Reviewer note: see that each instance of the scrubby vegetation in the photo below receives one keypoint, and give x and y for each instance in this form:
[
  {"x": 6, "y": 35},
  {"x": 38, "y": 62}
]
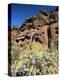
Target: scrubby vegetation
[{"x": 33, "y": 59}]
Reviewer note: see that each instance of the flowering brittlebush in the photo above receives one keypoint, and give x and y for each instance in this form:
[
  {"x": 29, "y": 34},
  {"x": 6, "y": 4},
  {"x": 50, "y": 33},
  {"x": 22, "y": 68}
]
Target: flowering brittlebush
[{"x": 33, "y": 59}]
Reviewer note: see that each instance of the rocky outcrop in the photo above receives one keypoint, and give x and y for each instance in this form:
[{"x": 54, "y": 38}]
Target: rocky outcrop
[
  {"x": 38, "y": 34},
  {"x": 42, "y": 28}
]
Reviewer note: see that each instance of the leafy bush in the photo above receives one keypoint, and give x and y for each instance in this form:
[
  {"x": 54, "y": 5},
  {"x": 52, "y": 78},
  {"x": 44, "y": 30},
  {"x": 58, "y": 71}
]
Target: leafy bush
[{"x": 33, "y": 59}]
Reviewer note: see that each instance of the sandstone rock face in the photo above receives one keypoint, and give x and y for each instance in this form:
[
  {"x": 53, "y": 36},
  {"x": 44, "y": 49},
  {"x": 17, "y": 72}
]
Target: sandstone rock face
[
  {"x": 42, "y": 28},
  {"x": 37, "y": 34},
  {"x": 54, "y": 33}
]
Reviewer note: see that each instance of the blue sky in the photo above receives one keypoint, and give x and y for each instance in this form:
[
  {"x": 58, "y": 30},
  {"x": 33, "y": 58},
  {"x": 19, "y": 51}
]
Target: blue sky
[{"x": 19, "y": 12}]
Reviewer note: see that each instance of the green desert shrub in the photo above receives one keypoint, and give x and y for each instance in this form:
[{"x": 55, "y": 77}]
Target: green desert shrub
[{"x": 34, "y": 59}]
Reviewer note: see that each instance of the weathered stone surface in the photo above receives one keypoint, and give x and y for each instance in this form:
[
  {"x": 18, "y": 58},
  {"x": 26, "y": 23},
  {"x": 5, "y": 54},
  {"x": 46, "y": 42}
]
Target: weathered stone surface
[
  {"x": 54, "y": 33},
  {"x": 42, "y": 28},
  {"x": 53, "y": 16},
  {"x": 38, "y": 34}
]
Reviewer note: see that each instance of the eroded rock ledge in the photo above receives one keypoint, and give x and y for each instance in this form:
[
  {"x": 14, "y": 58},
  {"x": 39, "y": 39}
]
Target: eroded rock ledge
[{"x": 42, "y": 28}]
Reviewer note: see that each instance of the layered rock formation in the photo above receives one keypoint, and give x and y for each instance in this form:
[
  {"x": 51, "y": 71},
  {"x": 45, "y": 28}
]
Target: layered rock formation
[{"x": 42, "y": 28}]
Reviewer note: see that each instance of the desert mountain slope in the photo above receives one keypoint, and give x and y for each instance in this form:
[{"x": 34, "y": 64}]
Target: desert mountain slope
[{"x": 42, "y": 28}]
